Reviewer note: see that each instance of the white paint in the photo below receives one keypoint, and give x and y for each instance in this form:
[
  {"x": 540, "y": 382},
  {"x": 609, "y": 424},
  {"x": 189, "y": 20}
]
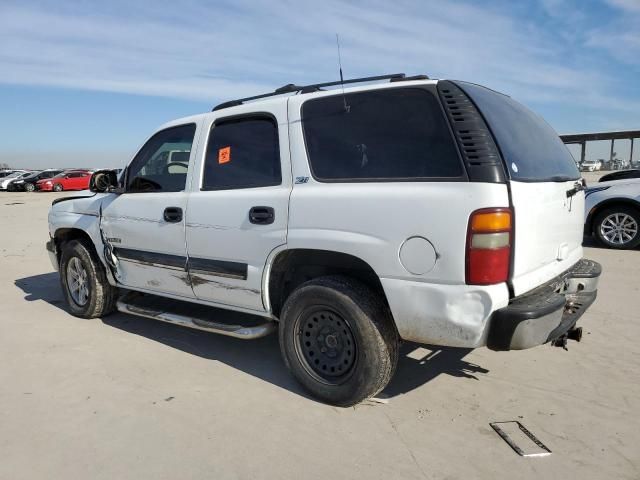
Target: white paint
[
  {"x": 545, "y": 220},
  {"x": 396, "y": 228},
  {"x": 417, "y": 255}
]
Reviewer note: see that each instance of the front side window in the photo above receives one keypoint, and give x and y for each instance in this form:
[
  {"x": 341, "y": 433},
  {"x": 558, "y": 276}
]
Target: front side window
[
  {"x": 242, "y": 153},
  {"x": 162, "y": 163},
  {"x": 391, "y": 134}
]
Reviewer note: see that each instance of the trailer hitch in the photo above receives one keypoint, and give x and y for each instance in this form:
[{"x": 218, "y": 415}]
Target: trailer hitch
[{"x": 573, "y": 334}]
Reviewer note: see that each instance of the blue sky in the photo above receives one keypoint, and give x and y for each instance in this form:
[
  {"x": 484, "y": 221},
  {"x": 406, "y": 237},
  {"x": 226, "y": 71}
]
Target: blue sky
[{"x": 84, "y": 82}]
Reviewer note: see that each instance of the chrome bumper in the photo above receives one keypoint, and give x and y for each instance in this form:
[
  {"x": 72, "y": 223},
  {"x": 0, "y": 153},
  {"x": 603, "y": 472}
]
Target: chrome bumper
[{"x": 547, "y": 312}]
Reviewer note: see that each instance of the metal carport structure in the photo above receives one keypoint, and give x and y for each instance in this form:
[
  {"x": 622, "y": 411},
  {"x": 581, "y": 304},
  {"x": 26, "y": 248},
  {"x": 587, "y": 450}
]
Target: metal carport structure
[{"x": 582, "y": 138}]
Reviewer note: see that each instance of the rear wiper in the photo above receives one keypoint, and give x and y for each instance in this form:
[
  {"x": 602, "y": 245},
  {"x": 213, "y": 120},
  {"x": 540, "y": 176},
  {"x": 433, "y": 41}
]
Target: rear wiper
[
  {"x": 561, "y": 178},
  {"x": 577, "y": 187}
]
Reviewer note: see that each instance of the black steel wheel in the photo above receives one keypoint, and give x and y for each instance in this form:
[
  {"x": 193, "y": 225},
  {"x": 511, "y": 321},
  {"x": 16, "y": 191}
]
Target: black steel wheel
[
  {"x": 325, "y": 345},
  {"x": 338, "y": 339}
]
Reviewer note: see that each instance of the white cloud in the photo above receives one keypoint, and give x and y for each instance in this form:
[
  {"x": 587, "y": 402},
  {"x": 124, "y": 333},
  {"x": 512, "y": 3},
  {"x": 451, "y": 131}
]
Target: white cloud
[
  {"x": 621, "y": 37},
  {"x": 216, "y": 52},
  {"x": 628, "y": 5}
]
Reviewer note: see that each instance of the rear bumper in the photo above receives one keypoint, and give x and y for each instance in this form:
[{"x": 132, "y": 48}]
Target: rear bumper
[{"x": 547, "y": 312}]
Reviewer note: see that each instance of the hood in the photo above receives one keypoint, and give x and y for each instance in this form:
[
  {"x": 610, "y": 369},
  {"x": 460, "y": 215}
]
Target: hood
[
  {"x": 80, "y": 204},
  {"x": 613, "y": 183}
]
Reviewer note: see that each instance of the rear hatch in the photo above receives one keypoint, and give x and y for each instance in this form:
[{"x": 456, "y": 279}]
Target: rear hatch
[{"x": 545, "y": 185}]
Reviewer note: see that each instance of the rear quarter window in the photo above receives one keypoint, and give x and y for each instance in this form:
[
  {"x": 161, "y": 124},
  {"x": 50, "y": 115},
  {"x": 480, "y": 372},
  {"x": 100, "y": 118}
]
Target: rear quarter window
[
  {"x": 532, "y": 150},
  {"x": 391, "y": 134}
]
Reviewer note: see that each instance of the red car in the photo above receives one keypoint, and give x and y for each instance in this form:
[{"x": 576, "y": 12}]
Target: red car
[{"x": 69, "y": 180}]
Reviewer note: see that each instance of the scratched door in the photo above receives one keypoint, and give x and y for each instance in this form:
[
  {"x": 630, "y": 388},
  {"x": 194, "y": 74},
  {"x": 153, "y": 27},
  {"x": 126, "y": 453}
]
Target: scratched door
[{"x": 238, "y": 209}]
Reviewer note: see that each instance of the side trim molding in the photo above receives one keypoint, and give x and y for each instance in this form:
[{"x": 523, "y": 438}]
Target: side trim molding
[
  {"x": 218, "y": 268},
  {"x": 151, "y": 258}
]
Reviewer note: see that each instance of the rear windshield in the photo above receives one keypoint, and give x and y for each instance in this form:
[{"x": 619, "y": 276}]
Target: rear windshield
[
  {"x": 391, "y": 134},
  {"x": 531, "y": 149}
]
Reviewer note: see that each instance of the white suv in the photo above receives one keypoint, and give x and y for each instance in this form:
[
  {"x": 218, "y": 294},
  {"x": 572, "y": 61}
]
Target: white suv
[{"x": 436, "y": 212}]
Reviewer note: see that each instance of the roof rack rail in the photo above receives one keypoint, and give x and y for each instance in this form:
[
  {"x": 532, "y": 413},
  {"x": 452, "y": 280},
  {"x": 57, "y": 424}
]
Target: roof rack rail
[{"x": 292, "y": 88}]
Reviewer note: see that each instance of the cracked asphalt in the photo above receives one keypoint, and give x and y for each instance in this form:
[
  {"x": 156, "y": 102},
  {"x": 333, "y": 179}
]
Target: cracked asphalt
[{"x": 127, "y": 397}]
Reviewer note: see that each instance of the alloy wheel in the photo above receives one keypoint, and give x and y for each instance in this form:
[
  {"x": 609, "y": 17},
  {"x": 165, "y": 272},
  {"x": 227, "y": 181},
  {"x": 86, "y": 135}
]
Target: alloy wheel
[
  {"x": 619, "y": 228},
  {"x": 78, "y": 281}
]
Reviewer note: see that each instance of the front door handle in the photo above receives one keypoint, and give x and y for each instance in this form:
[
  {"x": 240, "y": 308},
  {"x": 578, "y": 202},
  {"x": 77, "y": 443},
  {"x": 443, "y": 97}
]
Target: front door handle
[
  {"x": 173, "y": 214},
  {"x": 262, "y": 215}
]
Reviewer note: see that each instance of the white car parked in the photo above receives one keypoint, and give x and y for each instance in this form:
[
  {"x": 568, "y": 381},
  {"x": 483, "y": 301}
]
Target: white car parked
[
  {"x": 436, "y": 212},
  {"x": 17, "y": 175},
  {"x": 612, "y": 213},
  {"x": 591, "y": 165}
]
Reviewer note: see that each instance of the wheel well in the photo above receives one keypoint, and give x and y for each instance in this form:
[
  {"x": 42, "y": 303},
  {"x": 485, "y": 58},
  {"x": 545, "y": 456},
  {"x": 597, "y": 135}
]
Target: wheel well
[
  {"x": 291, "y": 268},
  {"x": 64, "y": 235},
  {"x": 593, "y": 213}
]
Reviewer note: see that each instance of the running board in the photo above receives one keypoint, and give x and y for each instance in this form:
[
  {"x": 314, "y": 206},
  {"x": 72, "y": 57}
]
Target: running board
[{"x": 166, "y": 310}]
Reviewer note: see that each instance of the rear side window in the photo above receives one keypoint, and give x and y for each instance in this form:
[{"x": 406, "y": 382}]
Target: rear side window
[
  {"x": 242, "y": 153},
  {"x": 392, "y": 134},
  {"x": 532, "y": 150}
]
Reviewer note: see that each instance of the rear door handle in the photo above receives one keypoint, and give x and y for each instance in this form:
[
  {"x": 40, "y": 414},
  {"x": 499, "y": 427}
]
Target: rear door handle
[
  {"x": 173, "y": 214},
  {"x": 262, "y": 215}
]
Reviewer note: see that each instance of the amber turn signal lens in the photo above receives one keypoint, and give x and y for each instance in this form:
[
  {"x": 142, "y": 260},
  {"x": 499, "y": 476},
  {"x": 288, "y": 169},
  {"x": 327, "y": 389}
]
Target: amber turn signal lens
[{"x": 491, "y": 222}]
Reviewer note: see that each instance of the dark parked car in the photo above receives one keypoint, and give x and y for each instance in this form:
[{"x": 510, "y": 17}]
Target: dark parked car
[
  {"x": 28, "y": 184},
  {"x": 621, "y": 175}
]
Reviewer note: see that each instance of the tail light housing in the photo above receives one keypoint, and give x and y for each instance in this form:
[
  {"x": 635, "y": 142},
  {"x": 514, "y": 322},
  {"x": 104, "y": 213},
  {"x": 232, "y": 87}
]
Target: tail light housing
[{"x": 489, "y": 242}]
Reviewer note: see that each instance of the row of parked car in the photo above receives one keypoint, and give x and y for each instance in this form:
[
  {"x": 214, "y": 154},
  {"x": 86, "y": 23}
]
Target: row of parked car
[{"x": 52, "y": 179}]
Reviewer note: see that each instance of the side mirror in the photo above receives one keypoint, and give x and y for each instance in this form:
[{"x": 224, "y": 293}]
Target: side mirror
[{"x": 104, "y": 181}]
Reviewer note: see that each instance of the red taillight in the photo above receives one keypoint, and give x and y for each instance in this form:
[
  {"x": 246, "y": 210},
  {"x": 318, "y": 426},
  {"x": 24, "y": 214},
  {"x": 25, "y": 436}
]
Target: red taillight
[{"x": 489, "y": 246}]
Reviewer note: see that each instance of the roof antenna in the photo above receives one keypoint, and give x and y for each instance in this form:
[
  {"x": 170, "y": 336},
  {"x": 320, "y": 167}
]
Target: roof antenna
[{"x": 347, "y": 108}]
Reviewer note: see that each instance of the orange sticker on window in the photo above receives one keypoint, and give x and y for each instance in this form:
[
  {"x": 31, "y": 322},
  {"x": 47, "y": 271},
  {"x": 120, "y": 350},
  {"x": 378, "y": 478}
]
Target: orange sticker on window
[{"x": 224, "y": 155}]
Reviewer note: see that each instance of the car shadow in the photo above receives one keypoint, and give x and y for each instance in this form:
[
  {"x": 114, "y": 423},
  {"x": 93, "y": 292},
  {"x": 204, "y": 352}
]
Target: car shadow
[
  {"x": 591, "y": 242},
  {"x": 419, "y": 364},
  {"x": 45, "y": 286},
  {"x": 416, "y": 367}
]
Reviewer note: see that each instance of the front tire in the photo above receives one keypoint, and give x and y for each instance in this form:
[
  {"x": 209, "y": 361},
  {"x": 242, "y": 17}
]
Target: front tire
[
  {"x": 618, "y": 227},
  {"x": 57, "y": 187},
  {"x": 84, "y": 281},
  {"x": 338, "y": 340}
]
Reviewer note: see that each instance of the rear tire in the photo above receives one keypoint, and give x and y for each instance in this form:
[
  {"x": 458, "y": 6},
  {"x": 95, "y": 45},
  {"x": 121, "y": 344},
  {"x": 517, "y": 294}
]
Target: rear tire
[
  {"x": 618, "y": 227},
  {"x": 84, "y": 281},
  {"x": 338, "y": 340},
  {"x": 57, "y": 187},
  {"x": 29, "y": 187}
]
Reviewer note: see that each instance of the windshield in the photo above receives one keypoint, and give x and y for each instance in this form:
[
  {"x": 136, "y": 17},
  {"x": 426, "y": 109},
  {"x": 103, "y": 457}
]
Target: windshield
[
  {"x": 31, "y": 176},
  {"x": 532, "y": 150}
]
